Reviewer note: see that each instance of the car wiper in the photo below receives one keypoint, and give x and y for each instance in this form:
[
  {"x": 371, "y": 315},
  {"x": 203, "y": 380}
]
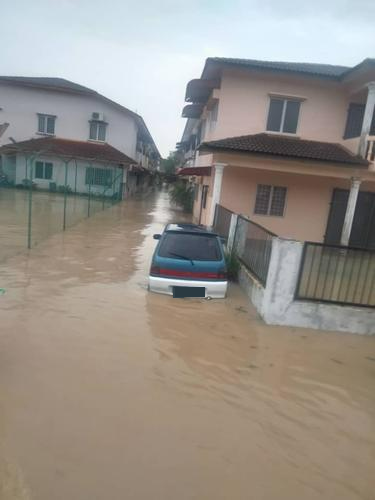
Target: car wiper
[{"x": 182, "y": 257}]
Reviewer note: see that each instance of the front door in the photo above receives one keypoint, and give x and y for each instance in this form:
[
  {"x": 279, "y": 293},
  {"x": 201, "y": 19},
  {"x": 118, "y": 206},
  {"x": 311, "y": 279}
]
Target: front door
[{"x": 363, "y": 229}]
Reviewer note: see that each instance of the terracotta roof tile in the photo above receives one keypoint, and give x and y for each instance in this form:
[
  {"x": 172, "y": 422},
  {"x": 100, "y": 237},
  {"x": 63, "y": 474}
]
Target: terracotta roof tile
[
  {"x": 291, "y": 147},
  {"x": 70, "y": 149},
  {"x": 326, "y": 70}
]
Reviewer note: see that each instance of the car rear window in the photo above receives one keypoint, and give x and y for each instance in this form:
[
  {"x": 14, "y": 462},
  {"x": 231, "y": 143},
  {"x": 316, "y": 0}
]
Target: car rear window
[{"x": 190, "y": 246}]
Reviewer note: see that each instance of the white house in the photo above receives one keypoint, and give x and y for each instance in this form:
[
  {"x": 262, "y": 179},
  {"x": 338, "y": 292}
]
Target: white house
[{"x": 35, "y": 109}]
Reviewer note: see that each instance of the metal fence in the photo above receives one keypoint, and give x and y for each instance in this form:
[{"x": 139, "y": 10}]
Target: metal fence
[
  {"x": 337, "y": 274},
  {"x": 34, "y": 206},
  {"x": 253, "y": 246},
  {"x": 222, "y": 221}
]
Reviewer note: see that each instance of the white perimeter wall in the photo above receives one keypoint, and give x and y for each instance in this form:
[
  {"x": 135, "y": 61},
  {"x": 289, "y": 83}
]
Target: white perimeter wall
[{"x": 276, "y": 303}]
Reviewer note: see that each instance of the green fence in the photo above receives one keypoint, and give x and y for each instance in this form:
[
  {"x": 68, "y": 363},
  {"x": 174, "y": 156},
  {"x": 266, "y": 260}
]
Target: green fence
[{"x": 37, "y": 201}]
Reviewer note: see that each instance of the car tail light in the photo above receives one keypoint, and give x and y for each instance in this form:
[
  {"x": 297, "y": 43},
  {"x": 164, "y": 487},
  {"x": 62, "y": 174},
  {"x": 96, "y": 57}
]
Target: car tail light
[
  {"x": 222, "y": 274},
  {"x": 177, "y": 273},
  {"x": 155, "y": 270}
]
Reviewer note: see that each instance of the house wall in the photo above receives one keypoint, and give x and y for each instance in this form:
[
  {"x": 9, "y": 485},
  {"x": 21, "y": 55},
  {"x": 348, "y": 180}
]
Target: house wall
[
  {"x": 77, "y": 183},
  {"x": 307, "y": 203},
  {"x": 244, "y": 102},
  {"x": 20, "y": 105},
  {"x": 208, "y": 181}
]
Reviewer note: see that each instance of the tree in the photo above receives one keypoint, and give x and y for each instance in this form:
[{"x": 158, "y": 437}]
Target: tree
[{"x": 169, "y": 165}]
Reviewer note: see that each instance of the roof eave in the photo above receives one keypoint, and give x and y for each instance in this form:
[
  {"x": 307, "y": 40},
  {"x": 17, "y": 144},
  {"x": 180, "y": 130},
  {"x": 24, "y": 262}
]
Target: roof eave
[{"x": 204, "y": 147}]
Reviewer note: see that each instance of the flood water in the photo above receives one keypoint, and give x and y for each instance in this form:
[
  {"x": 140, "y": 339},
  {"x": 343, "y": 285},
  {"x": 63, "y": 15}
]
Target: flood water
[{"x": 110, "y": 392}]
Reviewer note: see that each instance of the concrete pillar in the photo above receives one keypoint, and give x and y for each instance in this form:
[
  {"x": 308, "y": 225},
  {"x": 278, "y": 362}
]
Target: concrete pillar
[
  {"x": 350, "y": 210},
  {"x": 367, "y": 119},
  {"x": 216, "y": 190},
  {"x": 232, "y": 231}
]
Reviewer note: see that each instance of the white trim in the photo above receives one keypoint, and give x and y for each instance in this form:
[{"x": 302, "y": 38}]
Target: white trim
[{"x": 287, "y": 96}]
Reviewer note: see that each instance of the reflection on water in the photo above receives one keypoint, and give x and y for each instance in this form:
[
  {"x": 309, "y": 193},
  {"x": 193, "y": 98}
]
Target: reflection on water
[{"x": 107, "y": 391}]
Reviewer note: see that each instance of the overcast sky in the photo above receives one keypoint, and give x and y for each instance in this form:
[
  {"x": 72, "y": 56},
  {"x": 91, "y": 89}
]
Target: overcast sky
[{"x": 142, "y": 53}]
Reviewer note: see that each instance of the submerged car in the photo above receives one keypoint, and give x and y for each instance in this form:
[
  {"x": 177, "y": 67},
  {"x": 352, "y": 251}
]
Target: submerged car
[{"x": 188, "y": 261}]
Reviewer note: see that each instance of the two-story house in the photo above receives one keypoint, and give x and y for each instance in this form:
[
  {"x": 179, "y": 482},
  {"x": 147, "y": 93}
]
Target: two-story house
[
  {"x": 289, "y": 145},
  {"x": 52, "y": 121}
]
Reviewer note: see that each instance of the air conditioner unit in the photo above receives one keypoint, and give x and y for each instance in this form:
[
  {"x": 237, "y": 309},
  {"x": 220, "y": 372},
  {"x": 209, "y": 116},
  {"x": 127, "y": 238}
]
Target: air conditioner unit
[{"x": 98, "y": 116}]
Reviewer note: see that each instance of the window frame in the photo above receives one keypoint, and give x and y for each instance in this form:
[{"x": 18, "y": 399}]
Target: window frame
[
  {"x": 285, "y": 99},
  {"x": 98, "y": 123},
  {"x": 46, "y": 117},
  {"x": 95, "y": 175},
  {"x": 44, "y": 165},
  {"x": 270, "y": 200}
]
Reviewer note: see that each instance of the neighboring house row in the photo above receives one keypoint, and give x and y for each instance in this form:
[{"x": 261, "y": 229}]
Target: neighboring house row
[
  {"x": 51, "y": 121},
  {"x": 289, "y": 145}
]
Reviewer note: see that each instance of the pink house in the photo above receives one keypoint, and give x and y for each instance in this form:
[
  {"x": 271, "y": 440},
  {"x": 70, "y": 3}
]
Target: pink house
[{"x": 289, "y": 145}]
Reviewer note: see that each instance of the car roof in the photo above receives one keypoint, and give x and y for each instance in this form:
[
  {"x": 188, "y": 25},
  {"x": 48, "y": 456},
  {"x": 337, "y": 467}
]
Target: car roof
[{"x": 188, "y": 228}]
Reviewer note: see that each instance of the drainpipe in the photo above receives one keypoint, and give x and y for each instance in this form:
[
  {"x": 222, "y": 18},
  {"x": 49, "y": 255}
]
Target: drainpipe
[
  {"x": 216, "y": 191},
  {"x": 350, "y": 211},
  {"x": 367, "y": 119}
]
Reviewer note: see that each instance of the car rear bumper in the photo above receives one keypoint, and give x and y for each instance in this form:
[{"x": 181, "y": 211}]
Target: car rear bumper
[{"x": 214, "y": 289}]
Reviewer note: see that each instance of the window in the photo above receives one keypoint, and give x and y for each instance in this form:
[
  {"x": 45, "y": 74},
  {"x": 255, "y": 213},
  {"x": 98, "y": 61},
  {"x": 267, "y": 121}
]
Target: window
[
  {"x": 98, "y": 176},
  {"x": 46, "y": 124},
  {"x": 43, "y": 170},
  {"x": 283, "y": 115},
  {"x": 97, "y": 130},
  {"x": 213, "y": 116},
  {"x": 270, "y": 200},
  {"x": 189, "y": 246},
  {"x": 354, "y": 121}
]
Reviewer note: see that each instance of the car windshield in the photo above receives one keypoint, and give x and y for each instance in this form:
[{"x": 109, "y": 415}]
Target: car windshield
[{"x": 190, "y": 246}]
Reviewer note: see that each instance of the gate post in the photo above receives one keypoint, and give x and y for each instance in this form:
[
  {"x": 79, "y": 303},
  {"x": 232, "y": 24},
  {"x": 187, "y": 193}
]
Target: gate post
[{"x": 232, "y": 232}]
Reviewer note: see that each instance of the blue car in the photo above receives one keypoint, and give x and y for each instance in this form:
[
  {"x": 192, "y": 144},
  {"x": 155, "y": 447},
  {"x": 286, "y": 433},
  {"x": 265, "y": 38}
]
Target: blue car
[{"x": 188, "y": 261}]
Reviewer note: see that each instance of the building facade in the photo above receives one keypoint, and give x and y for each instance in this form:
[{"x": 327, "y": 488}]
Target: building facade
[
  {"x": 52, "y": 108},
  {"x": 289, "y": 145}
]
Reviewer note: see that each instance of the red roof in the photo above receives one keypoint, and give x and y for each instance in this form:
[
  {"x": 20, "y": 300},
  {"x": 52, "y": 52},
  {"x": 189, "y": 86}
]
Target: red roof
[
  {"x": 199, "y": 171},
  {"x": 67, "y": 148},
  {"x": 292, "y": 147}
]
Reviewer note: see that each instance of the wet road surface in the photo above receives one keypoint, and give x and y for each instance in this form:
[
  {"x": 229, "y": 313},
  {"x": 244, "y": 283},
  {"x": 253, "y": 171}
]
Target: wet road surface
[{"x": 109, "y": 392}]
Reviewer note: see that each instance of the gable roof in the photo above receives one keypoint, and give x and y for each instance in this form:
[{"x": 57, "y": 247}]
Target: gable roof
[
  {"x": 289, "y": 147},
  {"x": 63, "y": 85},
  {"x": 69, "y": 149},
  {"x": 330, "y": 71},
  {"x": 47, "y": 83},
  {"x": 327, "y": 70}
]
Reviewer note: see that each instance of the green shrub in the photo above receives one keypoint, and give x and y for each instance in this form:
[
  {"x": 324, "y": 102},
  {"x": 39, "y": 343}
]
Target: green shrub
[
  {"x": 64, "y": 189},
  {"x": 233, "y": 266},
  {"x": 182, "y": 194}
]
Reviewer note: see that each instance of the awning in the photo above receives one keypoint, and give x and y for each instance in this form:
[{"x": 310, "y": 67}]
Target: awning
[
  {"x": 199, "y": 90},
  {"x": 198, "y": 171},
  {"x": 192, "y": 111}
]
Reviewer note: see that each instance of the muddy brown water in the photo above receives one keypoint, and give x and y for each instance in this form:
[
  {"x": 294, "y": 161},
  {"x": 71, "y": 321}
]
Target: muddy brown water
[{"x": 110, "y": 392}]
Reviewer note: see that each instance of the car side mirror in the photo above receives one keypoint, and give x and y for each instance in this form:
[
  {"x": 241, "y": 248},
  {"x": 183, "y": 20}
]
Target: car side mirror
[{"x": 157, "y": 236}]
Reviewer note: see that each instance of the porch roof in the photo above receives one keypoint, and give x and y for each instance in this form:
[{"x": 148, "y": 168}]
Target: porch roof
[
  {"x": 198, "y": 171},
  {"x": 67, "y": 148},
  {"x": 290, "y": 147}
]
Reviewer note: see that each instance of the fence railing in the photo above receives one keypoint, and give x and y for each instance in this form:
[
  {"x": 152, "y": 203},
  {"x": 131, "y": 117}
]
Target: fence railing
[
  {"x": 336, "y": 274},
  {"x": 253, "y": 246},
  {"x": 36, "y": 202},
  {"x": 222, "y": 221}
]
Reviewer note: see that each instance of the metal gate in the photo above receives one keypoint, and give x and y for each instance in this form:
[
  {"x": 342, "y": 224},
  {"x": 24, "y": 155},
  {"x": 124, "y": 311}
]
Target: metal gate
[{"x": 363, "y": 230}]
